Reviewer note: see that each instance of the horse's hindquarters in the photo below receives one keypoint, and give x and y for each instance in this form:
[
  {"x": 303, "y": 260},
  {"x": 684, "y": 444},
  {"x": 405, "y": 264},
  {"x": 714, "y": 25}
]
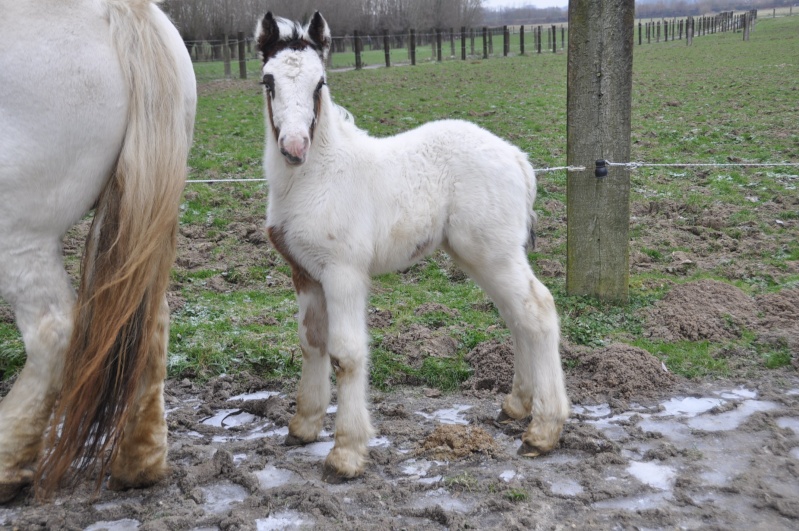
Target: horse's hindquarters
[{"x": 63, "y": 106}]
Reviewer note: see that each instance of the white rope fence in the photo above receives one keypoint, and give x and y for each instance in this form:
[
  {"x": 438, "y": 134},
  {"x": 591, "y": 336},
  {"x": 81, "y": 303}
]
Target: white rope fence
[{"x": 628, "y": 165}]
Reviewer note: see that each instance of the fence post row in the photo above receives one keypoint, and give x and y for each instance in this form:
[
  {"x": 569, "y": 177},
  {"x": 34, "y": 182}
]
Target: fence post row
[{"x": 727, "y": 21}]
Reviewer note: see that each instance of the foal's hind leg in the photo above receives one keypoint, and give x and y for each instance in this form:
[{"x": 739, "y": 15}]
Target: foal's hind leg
[
  {"x": 529, "y": 311},
  {"x": 37, "y": 287},
  {"x": 141, "y": 456},
  {"x": 313, "y": 395}
]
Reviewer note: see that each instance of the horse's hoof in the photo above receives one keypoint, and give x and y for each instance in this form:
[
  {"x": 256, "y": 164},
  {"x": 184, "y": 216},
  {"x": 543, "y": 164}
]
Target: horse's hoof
[
  {"x": 291, "y": 440},
  {"x": 528, "y": 450},
  {"x": 9, "y": 491},
  {"x": 504, "y": 418},
  {"x": 331, "y": 476}
]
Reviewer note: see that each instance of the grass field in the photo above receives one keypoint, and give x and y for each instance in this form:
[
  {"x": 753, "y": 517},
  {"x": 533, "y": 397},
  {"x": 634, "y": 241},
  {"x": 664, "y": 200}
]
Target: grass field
[{"x": 720, "y": 100}]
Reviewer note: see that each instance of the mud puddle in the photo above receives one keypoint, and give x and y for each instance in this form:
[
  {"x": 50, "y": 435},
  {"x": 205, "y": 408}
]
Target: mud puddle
[{"x": 724, "y": 456}]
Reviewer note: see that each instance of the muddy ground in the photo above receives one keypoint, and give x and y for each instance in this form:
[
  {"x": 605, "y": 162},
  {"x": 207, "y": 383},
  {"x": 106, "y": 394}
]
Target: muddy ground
[{"x": 644, "y": 449}]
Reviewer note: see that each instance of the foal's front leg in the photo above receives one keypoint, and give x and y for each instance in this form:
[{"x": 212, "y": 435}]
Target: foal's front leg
[
  {"x": 313, "y": 395},
  {"x": 346, "y": 291}
]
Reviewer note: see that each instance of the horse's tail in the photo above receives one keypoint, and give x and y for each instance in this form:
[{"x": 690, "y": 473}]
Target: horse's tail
[{"x": 128, "y": 255}]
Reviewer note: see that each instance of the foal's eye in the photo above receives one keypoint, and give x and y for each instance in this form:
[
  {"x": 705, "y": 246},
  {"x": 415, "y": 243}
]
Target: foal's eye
[{"x": 269, "y": 83}]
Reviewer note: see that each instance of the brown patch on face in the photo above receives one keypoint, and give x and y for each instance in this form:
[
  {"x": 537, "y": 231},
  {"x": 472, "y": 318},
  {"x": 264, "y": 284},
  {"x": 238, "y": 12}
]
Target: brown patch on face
[
  {"x": 275, "y": 130},
  {"x": 301, "y": 278}
]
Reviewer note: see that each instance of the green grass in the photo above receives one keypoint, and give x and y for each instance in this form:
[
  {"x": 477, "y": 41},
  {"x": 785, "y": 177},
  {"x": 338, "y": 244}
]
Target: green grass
[{"x": 719, "y": 100}]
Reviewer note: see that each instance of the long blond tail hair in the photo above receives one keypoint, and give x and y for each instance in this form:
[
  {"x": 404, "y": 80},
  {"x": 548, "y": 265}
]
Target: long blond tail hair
[{"x": 128, "y": 256}]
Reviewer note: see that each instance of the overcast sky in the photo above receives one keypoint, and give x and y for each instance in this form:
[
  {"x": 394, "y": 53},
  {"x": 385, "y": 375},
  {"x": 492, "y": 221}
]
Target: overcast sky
[{"x": 492, "y": 4}]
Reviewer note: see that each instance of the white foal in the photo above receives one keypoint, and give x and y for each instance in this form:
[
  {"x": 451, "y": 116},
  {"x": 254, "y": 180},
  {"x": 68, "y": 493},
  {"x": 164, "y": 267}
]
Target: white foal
[
  {"x": 102, "y": 118},
  {"x": 344, "y": 206}
]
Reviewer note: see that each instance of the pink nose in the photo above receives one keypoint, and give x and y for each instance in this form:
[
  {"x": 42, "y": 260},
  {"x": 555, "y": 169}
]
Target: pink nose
[{"x": 294, "y": 148}]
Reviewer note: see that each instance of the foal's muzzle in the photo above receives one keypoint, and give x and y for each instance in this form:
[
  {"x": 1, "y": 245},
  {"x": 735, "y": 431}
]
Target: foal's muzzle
[{"x": 294, "y": 148}]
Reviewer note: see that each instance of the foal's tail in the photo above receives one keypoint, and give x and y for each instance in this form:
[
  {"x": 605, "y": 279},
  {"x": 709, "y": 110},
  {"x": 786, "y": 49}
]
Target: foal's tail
[{"x": 128, "y": 254}]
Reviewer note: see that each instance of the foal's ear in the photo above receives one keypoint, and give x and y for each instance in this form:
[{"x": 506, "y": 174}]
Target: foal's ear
[
  {"x": 319, "y": 32},
  {"x": 267, "y": 34}
]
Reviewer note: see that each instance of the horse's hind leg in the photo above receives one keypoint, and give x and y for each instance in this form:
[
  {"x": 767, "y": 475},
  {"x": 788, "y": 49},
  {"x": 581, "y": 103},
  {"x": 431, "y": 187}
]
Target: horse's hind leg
[
  {"x": 141, "y": 456},
  {"x": 529, "y": 311},
  {"x": 313, "y": 395},
  {"x": 34, "y": 282}
]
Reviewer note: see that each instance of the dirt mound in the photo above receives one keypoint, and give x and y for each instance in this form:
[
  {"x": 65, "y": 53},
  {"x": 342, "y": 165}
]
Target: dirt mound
[
  {"x": 705, "y": 309},
  {"x": 616, "y": 372},
  {"x": 779, "y": 324},
  {"x": 419, "y": 342},
  {"x": 454, "y": 441},
  {"x": 492, "y": 363}
]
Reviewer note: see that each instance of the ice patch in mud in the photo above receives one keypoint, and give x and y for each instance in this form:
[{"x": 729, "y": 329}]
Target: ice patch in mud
[
  {"x": 657, "y": 476},
  {"x": 228, "y": 418},
  {"x": 738, "y": 393},
  {"x": 7, "y": 516},
  {"x": 126, "y": 524},
  {"x": 317, "y": 449},
  {"x": 637, "y": 503},
  {"x": 792, "y": 423},
  {"x": 566, "y": 487},
  {"x": 731, "y": 419},
  {"x": 689, "y": 407},
  {"x": 441, "y": 498},
  {"x": 259, "y": 395},
  {"x": 272, "y": 477},
  {"x": 448, "y": 416},
  {"x": 379, "y": 442},
  {"x": 507, "y": 475},
  {"x": 412, "y": 467},
  {"x": 284, "y": 520},
  {"x": 222, "y": 497},
  {"x": 601, "y": 410}
]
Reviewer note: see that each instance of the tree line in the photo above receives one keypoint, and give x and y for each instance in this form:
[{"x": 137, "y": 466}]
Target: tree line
[{"x": 212, "y": 19}]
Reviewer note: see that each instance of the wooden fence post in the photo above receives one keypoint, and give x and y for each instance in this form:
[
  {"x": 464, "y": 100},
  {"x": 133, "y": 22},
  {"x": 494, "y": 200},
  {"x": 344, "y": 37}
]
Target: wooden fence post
[
  {"x": 745, "y": 21},
  {"x": 242, "y": 58},
  {"x": 539, "y": 39},
  {"x": 412, "y": 45},
  {"x": 452, "y": 42},
  {"x": 485, "y": 42},
  {"x": 505, "y": 41},
  {"x": 226, "y": 55},
  {"x": 387, "y": 48},
  {"x": 554, "y": 39},
  {"x": 471, "y": 40},
  {"x": 463, "y": 43},
  {"x": 438, "y": 45},
  {"x": 356, "y": 45},
  {"x": 599, "y": 102},
  {"x": 521, "y": 39}
]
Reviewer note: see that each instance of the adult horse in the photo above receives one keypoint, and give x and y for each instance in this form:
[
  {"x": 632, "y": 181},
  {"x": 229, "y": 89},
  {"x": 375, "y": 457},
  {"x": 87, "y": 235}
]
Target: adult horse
[
  {"x": 97, "y": 103},
  {"x": 344, "y": 206}
]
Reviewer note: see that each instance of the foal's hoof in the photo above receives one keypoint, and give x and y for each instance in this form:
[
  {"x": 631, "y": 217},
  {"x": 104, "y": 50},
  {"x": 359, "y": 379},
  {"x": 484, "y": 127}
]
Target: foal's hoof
[
  {"x": 331, "y": 476},
  {"x": 292, "y": 440},
  {"x": 528, "y": 450},
  {"x": 504, "y": 418}
]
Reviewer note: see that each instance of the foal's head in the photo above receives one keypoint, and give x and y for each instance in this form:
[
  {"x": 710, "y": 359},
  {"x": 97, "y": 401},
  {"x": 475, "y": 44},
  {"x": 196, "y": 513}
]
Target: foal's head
[{"x": 294, "y": 76}]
